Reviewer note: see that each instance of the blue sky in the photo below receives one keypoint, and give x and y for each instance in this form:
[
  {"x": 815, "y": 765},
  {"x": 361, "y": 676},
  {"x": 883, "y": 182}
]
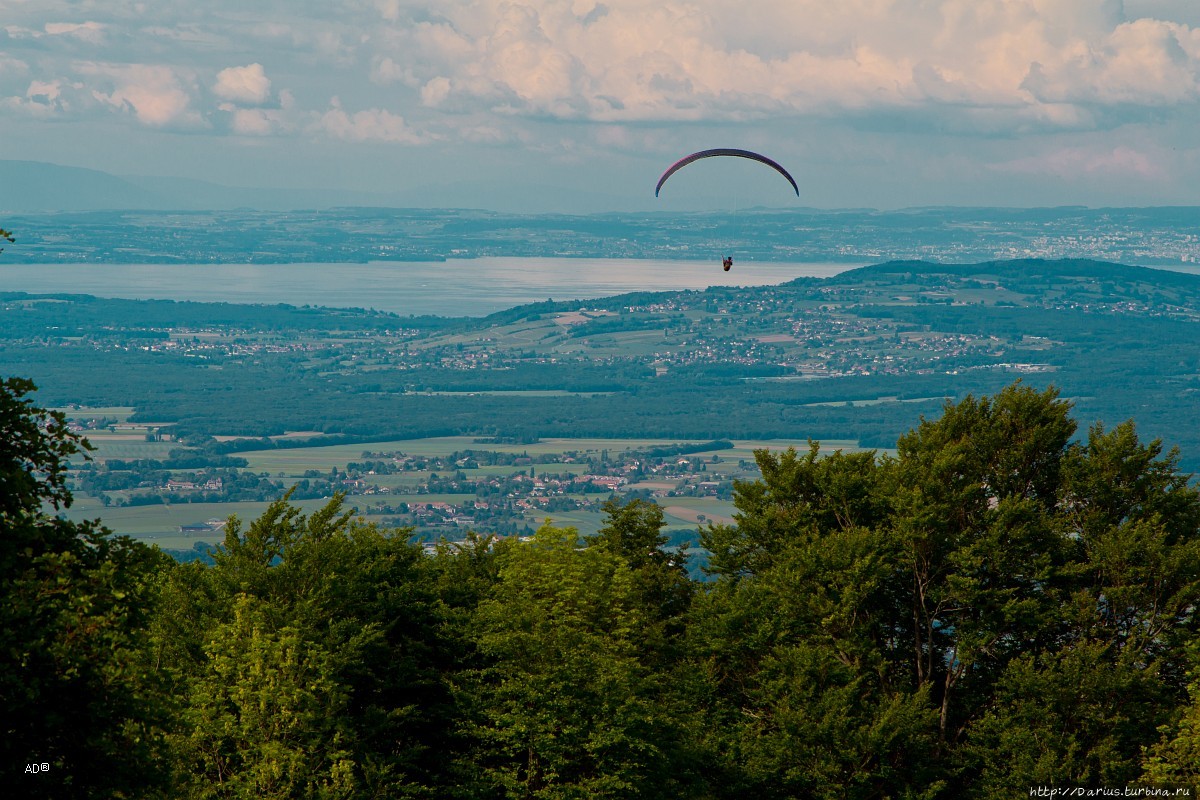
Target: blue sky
[{"x": 869, "y": 103}]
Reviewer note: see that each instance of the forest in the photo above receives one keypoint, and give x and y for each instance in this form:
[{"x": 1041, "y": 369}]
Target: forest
[{"x": 1001, "y": 605}]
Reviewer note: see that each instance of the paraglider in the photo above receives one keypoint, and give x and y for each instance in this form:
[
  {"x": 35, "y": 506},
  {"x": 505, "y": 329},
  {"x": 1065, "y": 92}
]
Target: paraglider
[
  {"x": 727, "y": 261},
  {"x": 725, "y": 151}
]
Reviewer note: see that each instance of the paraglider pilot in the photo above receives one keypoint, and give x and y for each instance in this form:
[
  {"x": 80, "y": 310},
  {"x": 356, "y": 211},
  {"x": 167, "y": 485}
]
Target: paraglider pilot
[{"x": 727, "y": 262}]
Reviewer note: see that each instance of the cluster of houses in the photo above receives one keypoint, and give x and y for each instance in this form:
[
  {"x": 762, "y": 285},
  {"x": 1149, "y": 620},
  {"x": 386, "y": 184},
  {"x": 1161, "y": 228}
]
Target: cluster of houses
[
  {"x": 210, "y": 485},
  {"x": 211, "y": 525}
]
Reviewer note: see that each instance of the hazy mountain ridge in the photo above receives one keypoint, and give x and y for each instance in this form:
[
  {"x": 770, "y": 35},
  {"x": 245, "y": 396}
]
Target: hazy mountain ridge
[
  {"x": 31, "y": 186},
  {"x": 38, "y": 187}
]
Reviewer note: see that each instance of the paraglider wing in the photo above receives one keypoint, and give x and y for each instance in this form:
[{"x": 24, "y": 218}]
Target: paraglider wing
[{"x": 725, "y": 151}]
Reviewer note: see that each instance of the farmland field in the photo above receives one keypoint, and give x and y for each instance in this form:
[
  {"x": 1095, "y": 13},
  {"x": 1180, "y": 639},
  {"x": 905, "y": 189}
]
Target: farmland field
[
  {"x": 127, "y": 445},
  {"x": 295, "y": 461},
  {"x": 683, "y": 512},
  {"x": 159, "y": 524},
  {"x": 120, "y": 413}
]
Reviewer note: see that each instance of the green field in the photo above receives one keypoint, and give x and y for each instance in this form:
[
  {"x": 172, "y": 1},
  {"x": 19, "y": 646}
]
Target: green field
[
  {"x": 295, "y": 461},
  {"x": 520, "y": 393},
  {"x": 120, "y": 413},
  {"x": 159, "y": 524},
  {"x": 877, "y": 401},
  {"x": 127, "y": 445}
]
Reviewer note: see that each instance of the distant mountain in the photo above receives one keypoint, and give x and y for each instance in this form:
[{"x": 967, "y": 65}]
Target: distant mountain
[
  {"x": 31, "y": 186},
  {"x": 519, "y": 198},
  {"x": 34, "y": 186}
]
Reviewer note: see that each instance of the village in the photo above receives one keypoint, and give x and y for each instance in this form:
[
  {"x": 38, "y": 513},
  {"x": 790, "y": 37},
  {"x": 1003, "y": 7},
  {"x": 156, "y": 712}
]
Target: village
[{"x": 435, "y": 495}]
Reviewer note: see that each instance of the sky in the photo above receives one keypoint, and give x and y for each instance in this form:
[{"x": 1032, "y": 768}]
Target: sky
[{"x": 868, "y": 103}]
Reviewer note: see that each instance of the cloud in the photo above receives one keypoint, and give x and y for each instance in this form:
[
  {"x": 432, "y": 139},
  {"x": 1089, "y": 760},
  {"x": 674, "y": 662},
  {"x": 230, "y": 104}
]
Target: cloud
[
  {"x": 370, "y": 125},
  {"x": 12, "y": 66},
  {"x": 92, "y": 32},
  {"x": 642, "y": 60},
  {"x": 248, "y": 85},
  {"x": 155, "y": 94},
  {"x": 1077, "y": 162},
  {"x": 1141, "y": 63},
  {"x": 44, "y": 91},
  {"x": 43, "y": 99},
  {"x": 253, "y": 121},
  {"x": 500, "y": 70},
  {"x": 263, "y": 121}
]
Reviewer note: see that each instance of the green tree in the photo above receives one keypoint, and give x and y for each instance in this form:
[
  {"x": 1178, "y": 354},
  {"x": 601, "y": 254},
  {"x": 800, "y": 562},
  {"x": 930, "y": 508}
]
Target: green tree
[
  {"x": 1176, "y": 758},
  {"x": 798, "y": 662},
  {"x": 633, "y": 531},
  {"x": 1017, "y": 605},
  {"x": 974, "y": 494},
  {"x": 76, "y": 690},
  {"x": 1074, "y": 715},
  {"x": 797, "y": 496},
  {"x": 262, "y": 720},
  {"x": 314, "y": 669},
  {"x": 564, "y": 707}
]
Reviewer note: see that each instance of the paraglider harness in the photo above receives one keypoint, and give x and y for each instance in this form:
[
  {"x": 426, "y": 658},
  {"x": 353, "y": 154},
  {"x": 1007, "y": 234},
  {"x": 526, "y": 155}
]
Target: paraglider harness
[{"x": 727, "y": 262}]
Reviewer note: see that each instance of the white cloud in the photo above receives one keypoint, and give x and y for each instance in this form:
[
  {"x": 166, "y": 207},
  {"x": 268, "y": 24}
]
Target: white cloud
[
  {"x": 1145, "y": 62},
  {"x": 41, "y": 100},
  {"x": 1078, "y": 162},
  {"x": 155, "y": 94},
  {"x": 370, "y": 125},
  {"x": 50, "y": 90},
  {"x": 635, "y": 60},
  {"x": 92, "y": 32},
  {"x": 252, "y": 121},
  {"x": 969, "y": 65},
  {"x": 12, "y": 66},
  {"x": 1018, "y": 83},
  {"x": 263, "y": 121},
  {"x": 248, "y": 85}
]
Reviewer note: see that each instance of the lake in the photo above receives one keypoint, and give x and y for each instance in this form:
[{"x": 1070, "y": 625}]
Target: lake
[{"x": 461, "y": 287}]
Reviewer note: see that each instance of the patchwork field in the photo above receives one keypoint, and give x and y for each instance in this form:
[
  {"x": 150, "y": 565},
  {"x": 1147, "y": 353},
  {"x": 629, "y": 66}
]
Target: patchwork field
[{"x": 162, "y": 524}]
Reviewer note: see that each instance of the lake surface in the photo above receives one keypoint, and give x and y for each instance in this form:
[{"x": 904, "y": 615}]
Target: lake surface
[{"x": 462, "y": 287}]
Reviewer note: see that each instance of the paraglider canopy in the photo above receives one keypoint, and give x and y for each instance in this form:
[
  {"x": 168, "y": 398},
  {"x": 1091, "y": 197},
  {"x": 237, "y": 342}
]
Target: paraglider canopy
[{"x": 725, "y": 151}]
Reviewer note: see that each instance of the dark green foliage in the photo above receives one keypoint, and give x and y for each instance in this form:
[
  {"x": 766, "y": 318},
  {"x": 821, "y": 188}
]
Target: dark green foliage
[
  {"x": 1073, "y": 716},
  {"x": 311, "y": 666},
  {"x": 1021, "y": 604},
  {"x": 91, "y": 316},
  {"x": 566, "y": 707},
  {"x": 798, "y": 497},
  {"x": 799, "y": 644},
  {"x": 76, "y": 689},
  {"x": 1176, "y": 757}
]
